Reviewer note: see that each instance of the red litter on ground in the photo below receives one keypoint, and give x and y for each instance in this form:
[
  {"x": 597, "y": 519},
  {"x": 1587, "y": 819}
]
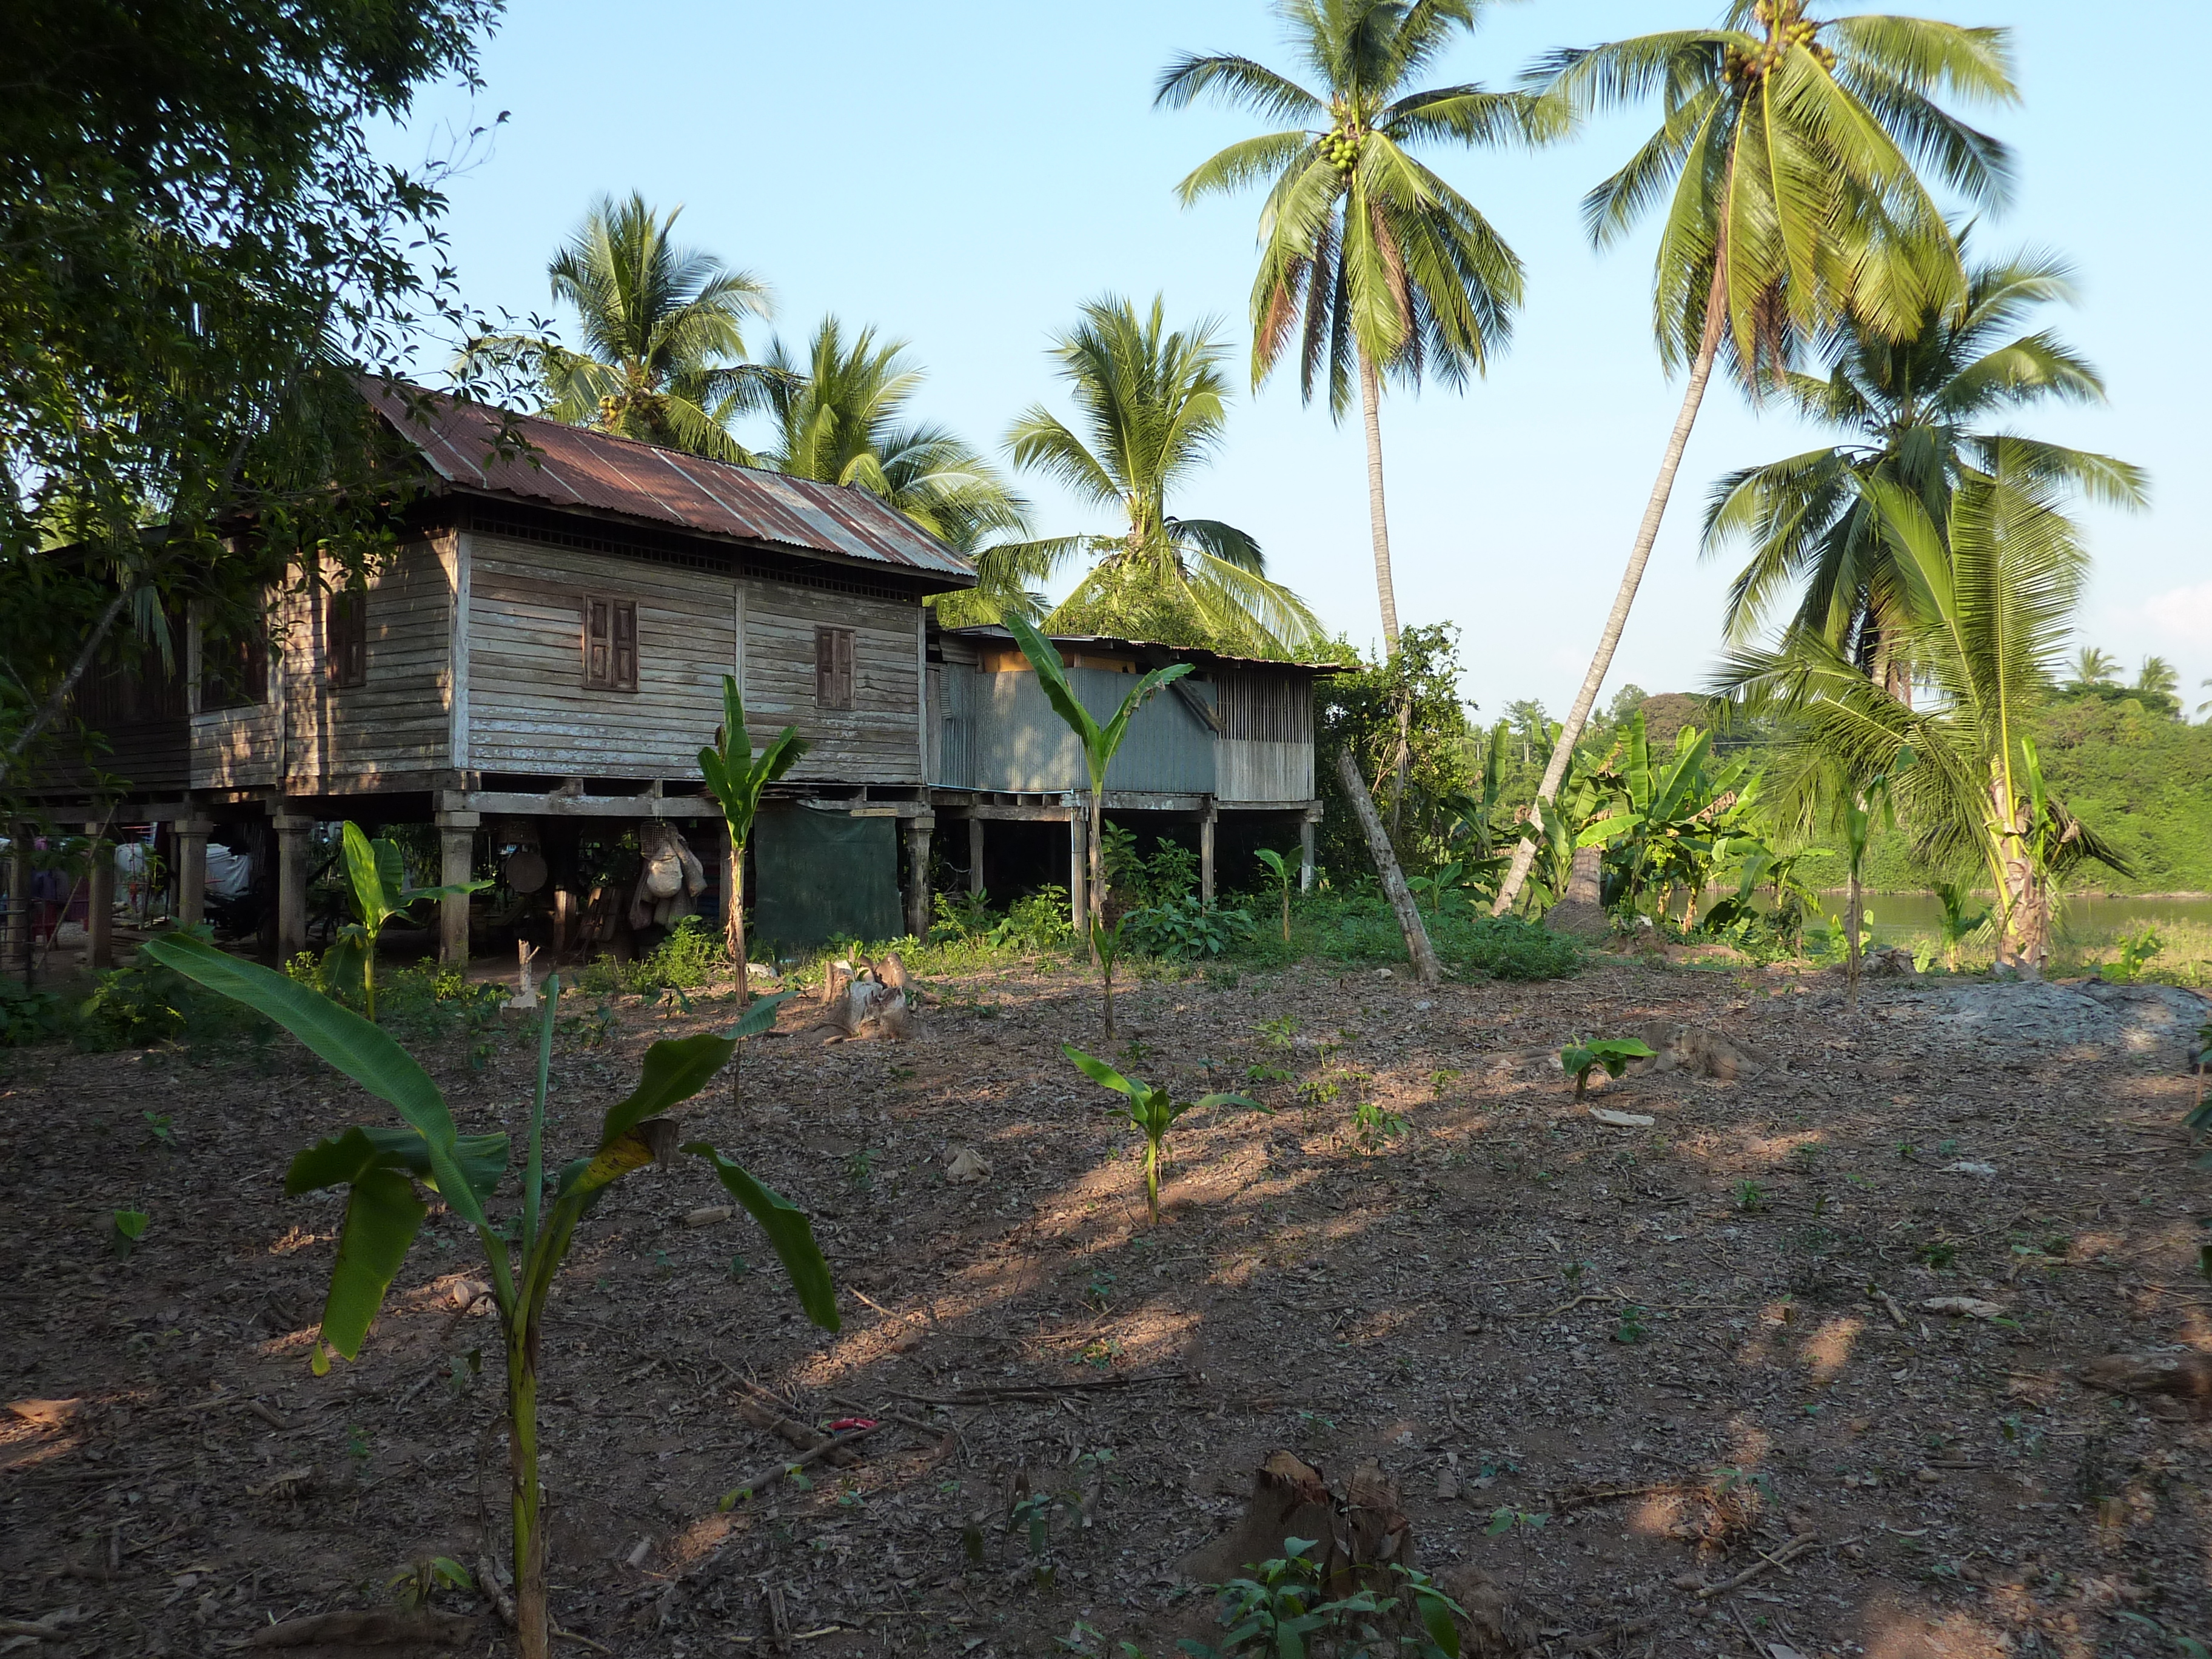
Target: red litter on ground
[{"x": 845, "y": 1423}]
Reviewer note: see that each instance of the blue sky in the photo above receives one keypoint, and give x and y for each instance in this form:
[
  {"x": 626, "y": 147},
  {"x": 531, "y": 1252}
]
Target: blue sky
[{"x": 963, "y": 175}]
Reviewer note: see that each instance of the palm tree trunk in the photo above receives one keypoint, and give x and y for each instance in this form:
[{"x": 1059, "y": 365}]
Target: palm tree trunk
[
  {"x": 2024, "y": 896},
  {"x": 1701, "y": 372},
  {"x": 1386, "y": 591},
  {"x": 1370, "y": 408}
]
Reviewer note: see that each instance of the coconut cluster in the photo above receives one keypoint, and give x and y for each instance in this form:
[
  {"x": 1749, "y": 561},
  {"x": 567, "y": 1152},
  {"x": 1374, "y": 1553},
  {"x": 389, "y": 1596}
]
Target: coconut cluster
[
  {"x": 1340, "y": 149},
  {"x": 1784, "y": 31}
]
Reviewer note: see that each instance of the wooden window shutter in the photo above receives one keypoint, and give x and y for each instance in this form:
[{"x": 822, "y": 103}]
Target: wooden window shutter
[
  {"x": 610, "y": 643},
  {"x": 346, "y": 638},
  {"x": 833, "y": 667},
  {"x": 625, "y": 644}
]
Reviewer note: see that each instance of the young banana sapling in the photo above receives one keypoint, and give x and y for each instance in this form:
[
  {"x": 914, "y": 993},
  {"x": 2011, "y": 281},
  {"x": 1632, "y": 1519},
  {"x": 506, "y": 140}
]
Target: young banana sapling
[
  {"x": 380, "y": 1169},
  {"x": 1583, "y": 1056},
  {"x": 1151, "y": 1112}
]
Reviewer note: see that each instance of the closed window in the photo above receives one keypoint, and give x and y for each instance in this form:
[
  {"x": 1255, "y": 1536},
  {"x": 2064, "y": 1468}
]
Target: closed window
[
  {"x": 833, "y": 667},
  {"x": 346, "y": 638},
  {"x": 610, "y": 644}
]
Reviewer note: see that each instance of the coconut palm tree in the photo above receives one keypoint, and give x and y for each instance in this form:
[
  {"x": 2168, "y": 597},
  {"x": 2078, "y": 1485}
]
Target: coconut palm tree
[
  {"x": 1985, "y": 596},
  {"x": 2092, "y": 668},
  {"x": 841, "y": 415},
  {"x": 1788, "y": 159},
  {"x": 1370, "y": 266},
  {"x": 2158, "y": 685},
  {"x": 1151, "y": 405},
  {"x": 664, "y": 355},
  {"x": 1911, "y": 407}
]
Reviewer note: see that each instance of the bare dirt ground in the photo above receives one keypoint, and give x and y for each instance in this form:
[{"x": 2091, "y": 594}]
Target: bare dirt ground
[{"x": 1686, "y": 1344}]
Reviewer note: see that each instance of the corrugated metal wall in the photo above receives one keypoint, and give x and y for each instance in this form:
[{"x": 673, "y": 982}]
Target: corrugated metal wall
[
  {"x": 1266, "y": 737},
  {"x": 1000, "y": 732}
]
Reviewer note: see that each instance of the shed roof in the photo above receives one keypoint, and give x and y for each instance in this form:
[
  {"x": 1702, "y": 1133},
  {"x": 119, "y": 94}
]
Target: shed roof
[
  {"x": 1189, "y": 654},
  {"x": 571, "y": 466}
]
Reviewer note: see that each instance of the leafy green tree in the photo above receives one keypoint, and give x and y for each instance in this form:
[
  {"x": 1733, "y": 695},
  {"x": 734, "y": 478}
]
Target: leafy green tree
[
  {"x": 1987, "y": 598},
  {"x": 1912, "y": 408},
  {"x": 380, "y": 1169},
  {"x": 1152, "y": 404},
  {"x": 1360, "y": 710},
  {"x": 735, "y": 777},
  {"x": 1792, "y": 147},
  {"x": 199, "y": 248},
  {"x": 663, "y": 359},
  {"x": 1370, "y": 266},
  {"x": 843, "y": 416}
]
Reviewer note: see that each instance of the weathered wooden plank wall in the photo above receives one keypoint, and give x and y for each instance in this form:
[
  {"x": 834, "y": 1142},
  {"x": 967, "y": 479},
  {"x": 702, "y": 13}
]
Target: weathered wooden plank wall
[
  {"x": 1267, "y": 751},
  {"x": 397, "y": 719}
]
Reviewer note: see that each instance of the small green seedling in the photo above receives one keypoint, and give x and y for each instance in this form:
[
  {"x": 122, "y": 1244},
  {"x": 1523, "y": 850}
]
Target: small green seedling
[
  {"x": 1281, "y": 871},
  {"x": 1151, "y": 1112},
  {"x": 1631, "y": 1328},
  {"x": 125, "y": 1228},
  {"x": 1583, "y": 1056},
  {"x": 161, "y": 1128},
  {"x": 1750, "y": 1196},
  {"x": 416, "y": 1586}
]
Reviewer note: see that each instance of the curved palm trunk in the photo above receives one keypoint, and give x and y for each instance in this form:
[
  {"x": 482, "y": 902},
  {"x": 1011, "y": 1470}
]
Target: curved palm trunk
[
  {"x": 1386, "y": 592},
  {"x": 1370, "y": 408},
  {"x": 1701, "y": 372},
  {"x": 2023, "y": 893}
]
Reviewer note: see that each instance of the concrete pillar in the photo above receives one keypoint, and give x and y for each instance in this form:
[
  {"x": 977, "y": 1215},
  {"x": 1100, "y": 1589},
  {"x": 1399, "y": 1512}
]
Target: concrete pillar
[
  {"x": 1079, "y": 862},
  {"x": 457, "y": 859},
  {"x": 1206, "y": 854},
  {"x": 192, "y": 836},
  {"x": 975, "y": 854},
  {"x": 19, "y": 901},
  {"x": 292, "y": 831},
  {"x": 917, "y": 858},
  {"x": 100, "y": 897},
  {"x": 1305, "y": 856}
]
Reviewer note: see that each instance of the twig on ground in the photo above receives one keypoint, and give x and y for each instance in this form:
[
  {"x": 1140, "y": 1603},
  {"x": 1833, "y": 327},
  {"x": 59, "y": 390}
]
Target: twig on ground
[
  {"x": 782, "y": 1466},
  {"x": 1606, "y": 1638},
  {"x": 1789, "y": 1552},
  {"x": 1038, "y": 1390}
]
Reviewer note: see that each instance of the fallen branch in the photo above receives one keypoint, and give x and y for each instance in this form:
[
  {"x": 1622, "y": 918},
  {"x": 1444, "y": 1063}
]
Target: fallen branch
[
  {"x": 376, "y": 1628},
  {"x": 1039, "y": 1390},
  {"x": 777, "y": 1471},
  {"x": 1789, "y": 1552},
  {"x": 1606, "y": 1638}
]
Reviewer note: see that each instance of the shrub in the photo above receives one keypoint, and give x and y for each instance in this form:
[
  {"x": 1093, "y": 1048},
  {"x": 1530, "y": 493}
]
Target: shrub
[
  {"x": 1183, "y": 929},
  {"x": 687, "y": 959},
  {"x": 1507, "y": 947},
  {"x": 27, "y": 1016}
]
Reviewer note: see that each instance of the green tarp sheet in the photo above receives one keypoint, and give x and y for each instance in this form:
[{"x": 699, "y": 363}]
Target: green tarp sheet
[{"x": 819, "y": 876}]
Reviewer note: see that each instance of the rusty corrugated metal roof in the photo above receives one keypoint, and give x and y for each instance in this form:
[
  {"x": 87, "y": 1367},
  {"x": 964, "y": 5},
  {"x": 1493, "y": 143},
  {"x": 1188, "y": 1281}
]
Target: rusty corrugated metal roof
[
  {"x": 571, "y": 466},
  {"x": 1191, "y": 654}
]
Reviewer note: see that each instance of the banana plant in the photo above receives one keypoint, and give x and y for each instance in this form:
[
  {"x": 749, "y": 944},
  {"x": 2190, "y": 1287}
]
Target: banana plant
[
  {"x": 1960, "y": 921},
  {"x": 376, "y": 881},
  {"x": 1672, "y": 822},
  {"x": 1099, "y": 742},
  {"x": 380, "y": 1168},
  {"x": 736, "y": 776},
  {"x": 1279, "y": 868},
  {"x": 1151, "y": 1112}
]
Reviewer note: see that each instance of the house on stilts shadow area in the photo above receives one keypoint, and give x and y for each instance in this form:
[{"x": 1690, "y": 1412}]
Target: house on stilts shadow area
[{"x": 528, "y": 680}]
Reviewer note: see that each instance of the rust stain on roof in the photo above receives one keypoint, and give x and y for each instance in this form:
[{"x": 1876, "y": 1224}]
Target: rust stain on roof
[{"x": 571, "y": 466}]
